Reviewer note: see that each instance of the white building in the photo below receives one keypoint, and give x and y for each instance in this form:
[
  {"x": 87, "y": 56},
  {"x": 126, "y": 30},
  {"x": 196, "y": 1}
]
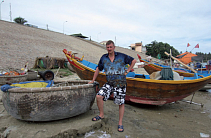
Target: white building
[{"x": 138, "y": 47}]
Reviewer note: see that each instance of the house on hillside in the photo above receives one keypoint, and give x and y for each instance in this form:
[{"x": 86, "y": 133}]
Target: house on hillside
[
  {"x": 138, "y": 47},
  {"x": 103, "y": 42}
]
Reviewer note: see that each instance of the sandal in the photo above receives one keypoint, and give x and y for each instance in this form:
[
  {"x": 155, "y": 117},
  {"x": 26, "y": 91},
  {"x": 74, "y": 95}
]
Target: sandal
[
  {"x": 96, "y": 118},
  {"x": 120, "y": 127}
]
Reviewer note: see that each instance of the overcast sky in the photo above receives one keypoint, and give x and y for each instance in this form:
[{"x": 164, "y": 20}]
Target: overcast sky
[{"x": 176, "y": 22}]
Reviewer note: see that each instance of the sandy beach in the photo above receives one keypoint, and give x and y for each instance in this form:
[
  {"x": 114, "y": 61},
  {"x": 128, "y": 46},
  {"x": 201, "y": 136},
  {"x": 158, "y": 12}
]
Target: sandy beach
[
  {"x": 179, "y": 119},
  {"x": 19, "y": 44}
]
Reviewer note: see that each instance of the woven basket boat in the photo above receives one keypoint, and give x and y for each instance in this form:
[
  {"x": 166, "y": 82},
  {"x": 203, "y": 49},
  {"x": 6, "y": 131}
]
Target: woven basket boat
[
  {"x": 66, "y": 99},
  {"x": 12, "y": 79}
]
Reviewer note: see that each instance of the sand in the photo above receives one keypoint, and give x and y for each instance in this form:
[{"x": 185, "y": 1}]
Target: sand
[{"x": 179, "y": 119}]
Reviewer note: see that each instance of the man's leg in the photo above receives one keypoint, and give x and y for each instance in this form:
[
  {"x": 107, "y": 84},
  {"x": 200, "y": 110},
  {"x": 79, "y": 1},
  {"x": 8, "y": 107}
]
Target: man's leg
[
  {"x": 100, "y": 105},
  {"x": 102, "y": 96},
  {"x": 121, "y": 114}
]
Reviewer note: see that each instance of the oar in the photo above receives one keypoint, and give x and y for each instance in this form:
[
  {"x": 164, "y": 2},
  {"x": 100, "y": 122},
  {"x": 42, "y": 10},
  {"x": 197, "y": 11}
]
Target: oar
[{"x": 182, "y": 63}]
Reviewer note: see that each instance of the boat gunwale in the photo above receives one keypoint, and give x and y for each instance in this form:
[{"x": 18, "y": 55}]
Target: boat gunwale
[
  {"x": 50, "y": 89},
  {"x": 151, "y": 80},
  {"x": 12, "y": 79},
  {"x": 17, "y": 76},
  {"x": 159, "y": 67}
]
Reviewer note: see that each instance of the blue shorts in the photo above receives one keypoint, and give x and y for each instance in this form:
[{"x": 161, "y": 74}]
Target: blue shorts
[{"x": 119, "y": 93}]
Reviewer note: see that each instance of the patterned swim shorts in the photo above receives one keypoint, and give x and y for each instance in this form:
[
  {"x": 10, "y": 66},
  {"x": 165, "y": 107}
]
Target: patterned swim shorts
[{"x": 119, "y": 93}]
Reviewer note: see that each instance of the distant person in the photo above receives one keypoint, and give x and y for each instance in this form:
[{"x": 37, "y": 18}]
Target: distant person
[
  {"x": 191, "y": 65},
  {"x": 177, "y": 65},
  {"x": 113, "y": 64},
  {"x": 209, "y": 62},
  {"x": 150, "y": 60}
]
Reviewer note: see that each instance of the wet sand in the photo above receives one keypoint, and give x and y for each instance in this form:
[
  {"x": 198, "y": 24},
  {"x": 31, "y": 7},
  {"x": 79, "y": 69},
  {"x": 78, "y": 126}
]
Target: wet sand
[{"x": 179, "y": 119}]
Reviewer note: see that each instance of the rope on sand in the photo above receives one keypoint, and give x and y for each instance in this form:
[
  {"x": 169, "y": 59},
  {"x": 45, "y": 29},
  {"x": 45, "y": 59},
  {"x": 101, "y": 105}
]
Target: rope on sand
[{"x": 2, "y": 111}]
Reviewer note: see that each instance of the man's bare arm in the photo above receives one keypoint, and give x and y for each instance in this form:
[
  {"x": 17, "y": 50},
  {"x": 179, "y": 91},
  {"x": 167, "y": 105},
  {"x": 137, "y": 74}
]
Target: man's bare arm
[{"x": 95, "y": 75}]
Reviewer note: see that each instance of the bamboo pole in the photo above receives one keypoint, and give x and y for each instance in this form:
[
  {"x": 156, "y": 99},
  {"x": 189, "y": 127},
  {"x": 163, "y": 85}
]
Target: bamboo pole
[
  {"x": 170, "y": 60},
  {"x": 180, "y": 62}
]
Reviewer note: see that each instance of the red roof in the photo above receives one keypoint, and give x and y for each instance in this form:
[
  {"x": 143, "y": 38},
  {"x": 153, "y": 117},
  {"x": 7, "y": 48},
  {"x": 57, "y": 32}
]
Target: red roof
[{"x": 185, "y": 57}]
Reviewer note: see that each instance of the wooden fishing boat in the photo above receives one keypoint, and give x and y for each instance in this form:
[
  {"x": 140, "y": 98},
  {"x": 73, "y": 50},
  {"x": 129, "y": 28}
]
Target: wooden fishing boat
[
  {"x": 12, "y": 79},
  {"x": 140, "y": 90},
  {"x": 63, "y": 100},
  {"x": 150, "y": 68}
]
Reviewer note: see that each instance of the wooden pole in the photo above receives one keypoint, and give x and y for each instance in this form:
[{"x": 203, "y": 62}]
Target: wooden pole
[
  {"x": 170, "y": 60},
  {"x": 180, "y": 62},
  {"x": 57, "y": 72}
]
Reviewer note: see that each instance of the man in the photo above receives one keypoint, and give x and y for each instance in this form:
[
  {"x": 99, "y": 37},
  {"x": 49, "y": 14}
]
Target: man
[{"x": 113, "y": 64}]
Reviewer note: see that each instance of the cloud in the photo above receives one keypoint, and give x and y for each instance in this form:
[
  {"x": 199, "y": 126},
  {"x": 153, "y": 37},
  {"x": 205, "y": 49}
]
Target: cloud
[{"x": 176, "y": 22}]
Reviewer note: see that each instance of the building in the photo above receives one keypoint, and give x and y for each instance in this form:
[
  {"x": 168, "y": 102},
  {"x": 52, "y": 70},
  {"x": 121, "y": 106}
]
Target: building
[
  {"x": 103, "y": 42},
  {"x": 138, "y": 47}
]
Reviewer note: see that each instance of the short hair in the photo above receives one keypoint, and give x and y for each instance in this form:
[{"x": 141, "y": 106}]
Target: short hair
[{"x": 110, "y": 42}]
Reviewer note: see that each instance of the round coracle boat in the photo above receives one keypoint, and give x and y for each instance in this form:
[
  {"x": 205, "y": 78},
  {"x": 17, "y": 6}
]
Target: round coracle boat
[
  {"x": 63, "y": 100},
  {"x": 12, "y": 79}
]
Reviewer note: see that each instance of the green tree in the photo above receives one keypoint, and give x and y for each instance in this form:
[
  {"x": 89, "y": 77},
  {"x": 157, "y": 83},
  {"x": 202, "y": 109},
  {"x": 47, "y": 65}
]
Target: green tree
[
  {"x": 20, "y": 20},
  {"x": 156, "y": 48},
  {"x": 206, "y": 56}
]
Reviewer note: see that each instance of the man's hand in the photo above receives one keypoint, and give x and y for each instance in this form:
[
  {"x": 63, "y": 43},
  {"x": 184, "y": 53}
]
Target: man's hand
[
  {"x": 91, "y": 82},
  {"x": 126, "y": 72}
]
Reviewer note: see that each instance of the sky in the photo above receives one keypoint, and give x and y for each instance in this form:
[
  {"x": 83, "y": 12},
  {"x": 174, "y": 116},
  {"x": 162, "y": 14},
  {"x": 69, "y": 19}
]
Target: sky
[{"x": 176, "y": 22}]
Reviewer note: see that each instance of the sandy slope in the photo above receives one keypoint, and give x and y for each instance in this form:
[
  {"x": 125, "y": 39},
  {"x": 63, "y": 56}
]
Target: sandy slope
[{"x": 19, "y": 43}]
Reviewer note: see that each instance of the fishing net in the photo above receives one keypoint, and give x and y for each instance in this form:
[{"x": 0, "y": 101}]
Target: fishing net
[
  {"x": 166, "y": 74},
  {"x": 49, "y": 62}
]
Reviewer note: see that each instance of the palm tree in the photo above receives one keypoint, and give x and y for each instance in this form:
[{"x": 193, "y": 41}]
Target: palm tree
[{"x": 20, "y": 20}]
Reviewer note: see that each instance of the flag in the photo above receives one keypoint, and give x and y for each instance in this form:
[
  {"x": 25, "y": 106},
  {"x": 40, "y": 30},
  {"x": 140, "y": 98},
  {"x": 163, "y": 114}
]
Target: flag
[
  {"x": 188, "y": 45},
  {"x": 197, "y": 46}
]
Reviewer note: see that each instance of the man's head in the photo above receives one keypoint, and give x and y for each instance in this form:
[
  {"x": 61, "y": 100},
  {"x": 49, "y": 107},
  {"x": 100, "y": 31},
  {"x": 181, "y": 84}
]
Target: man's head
[{"x": 110, "y": 46}]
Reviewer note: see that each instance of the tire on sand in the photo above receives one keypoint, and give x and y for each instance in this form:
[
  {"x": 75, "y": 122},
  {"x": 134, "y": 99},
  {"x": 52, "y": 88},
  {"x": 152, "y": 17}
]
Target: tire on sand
[{"x": 47, "y": 75}]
